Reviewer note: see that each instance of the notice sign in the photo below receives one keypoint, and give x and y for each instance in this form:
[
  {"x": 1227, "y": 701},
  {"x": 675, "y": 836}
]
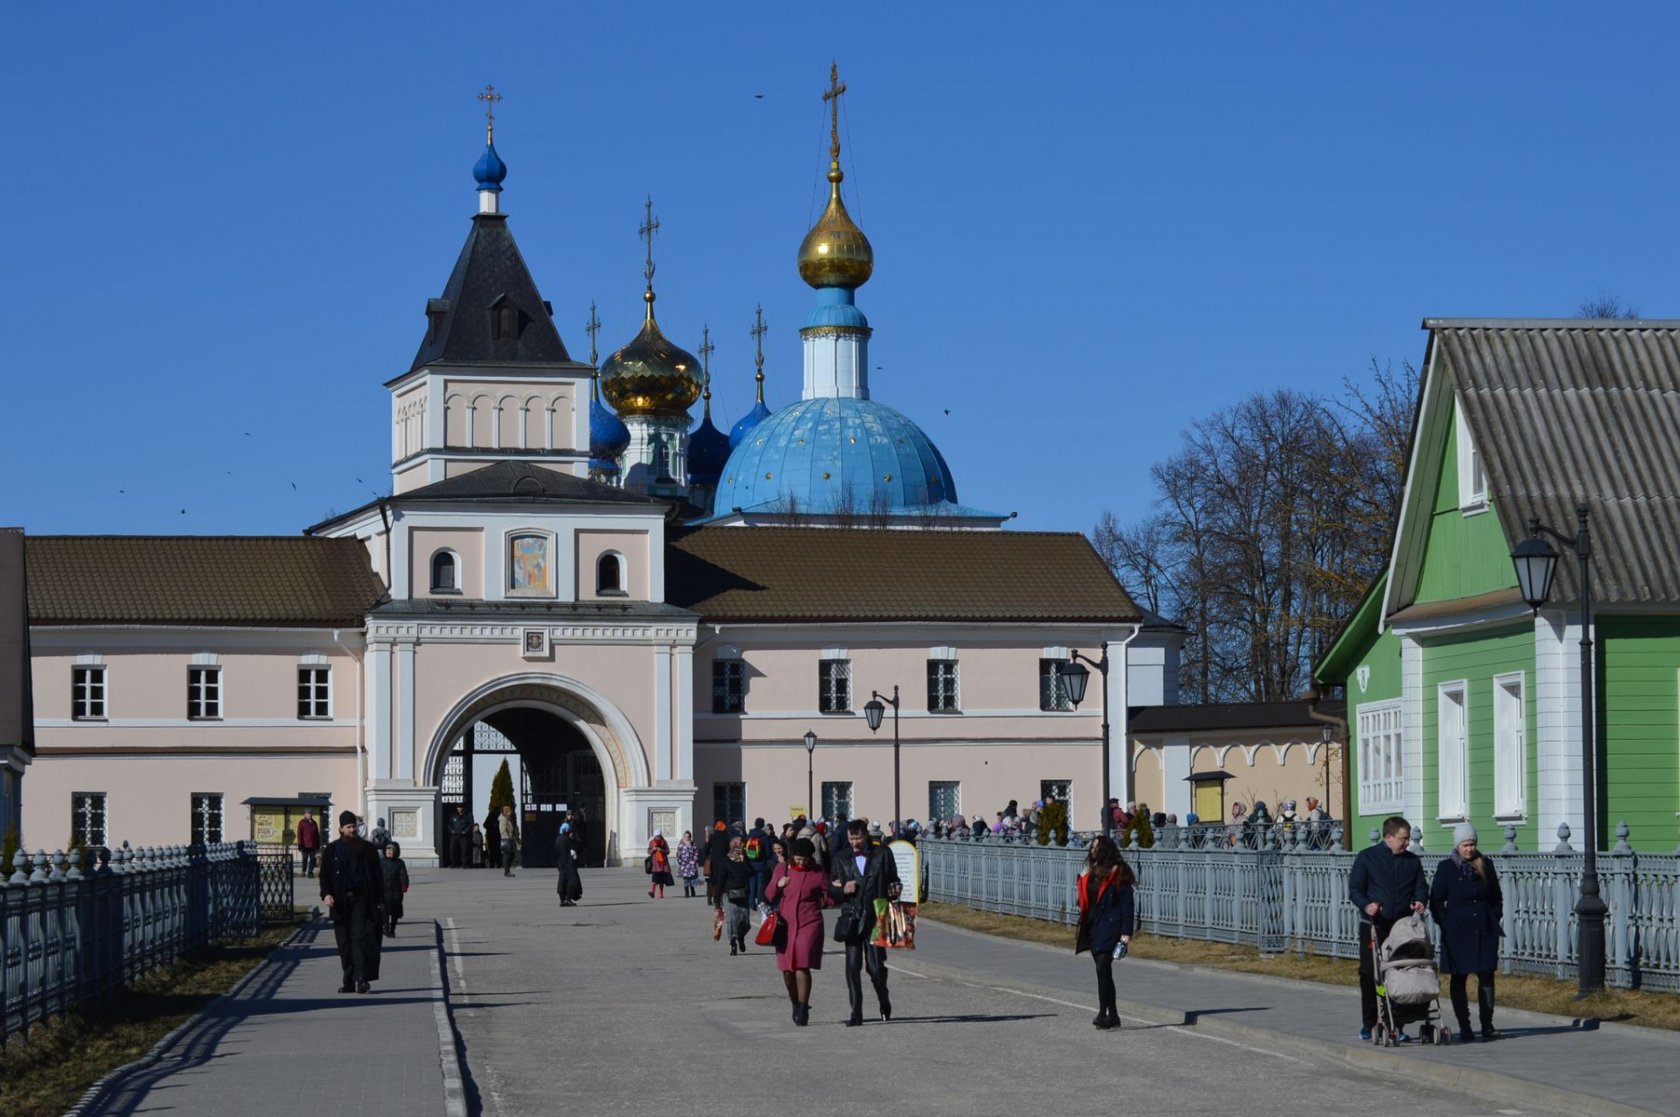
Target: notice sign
[{"x": 895, "y": 921}]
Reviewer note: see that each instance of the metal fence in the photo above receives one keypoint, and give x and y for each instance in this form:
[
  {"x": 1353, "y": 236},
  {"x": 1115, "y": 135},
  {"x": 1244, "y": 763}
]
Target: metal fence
[
  {"x": 1280, "y": 892},
  {"x": 276, "y": 874},
  {"x": 69, "y": 936}
]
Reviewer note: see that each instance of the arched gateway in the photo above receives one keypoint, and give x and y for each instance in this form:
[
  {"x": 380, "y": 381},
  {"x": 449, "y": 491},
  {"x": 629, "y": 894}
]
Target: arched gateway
[{"x": 577, "y": 753}]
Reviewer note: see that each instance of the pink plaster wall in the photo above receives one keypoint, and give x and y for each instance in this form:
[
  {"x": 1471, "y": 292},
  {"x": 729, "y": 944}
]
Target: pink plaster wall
[
  {"x": 469, "y": 549},
  {"x": 633, "y": 545}
]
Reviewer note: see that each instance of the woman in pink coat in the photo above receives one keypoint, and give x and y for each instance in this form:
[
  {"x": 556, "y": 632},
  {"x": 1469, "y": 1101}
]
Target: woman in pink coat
[{"x": 802, "y": 892}]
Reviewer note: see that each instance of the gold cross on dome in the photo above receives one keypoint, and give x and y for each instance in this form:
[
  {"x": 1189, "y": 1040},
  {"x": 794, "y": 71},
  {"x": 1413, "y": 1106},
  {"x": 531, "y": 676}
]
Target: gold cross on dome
[
  {"x": 706, "y": 349},
  {"x": 593, "y": 328},
  {"x": 758, "y": 331},
  {"x": 831, "y": 96},
  {"x": 648, "y": 227},
  {"x": 489, "y": 97}
]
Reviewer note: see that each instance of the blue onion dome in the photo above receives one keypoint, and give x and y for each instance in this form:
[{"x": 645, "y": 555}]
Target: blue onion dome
[
  {"x": 708, "y": 451},
  {"x": 608, "y": 436},
  {"x": 745, "y": 424},
  {"x": 651, "y": 375},
  {"x": 830, "y": 454},
  {"x": 489, "y": 171}
]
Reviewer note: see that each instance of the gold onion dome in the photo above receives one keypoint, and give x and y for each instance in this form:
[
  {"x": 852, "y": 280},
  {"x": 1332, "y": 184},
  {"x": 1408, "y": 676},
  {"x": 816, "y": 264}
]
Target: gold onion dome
[
  {"x": 835, "y": 253},
  {"x": 651, "y": 375}
]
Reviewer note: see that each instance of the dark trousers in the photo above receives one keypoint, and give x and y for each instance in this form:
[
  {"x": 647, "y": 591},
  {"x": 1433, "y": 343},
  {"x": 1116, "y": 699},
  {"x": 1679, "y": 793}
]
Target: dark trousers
[
  {"x": 861, "y": 956},
  {"x": 1368, "y": 971},
  {"x": 1105, "y": 982},
  {"x": 755, "y": 888},
  {"x": 1457, "y": 988},
  {"x": 460, "y": 850},
  {"x": 310, "y": 858},
  {"x": 508, "y": 849},
  {"x": 354, "y": 925}
]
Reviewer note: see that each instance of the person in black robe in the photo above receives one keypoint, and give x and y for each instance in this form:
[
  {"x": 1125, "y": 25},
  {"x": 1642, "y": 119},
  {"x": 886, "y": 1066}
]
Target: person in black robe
[
  {"x": 352, "y": 885},
  {"x": 570, "y": 884}
]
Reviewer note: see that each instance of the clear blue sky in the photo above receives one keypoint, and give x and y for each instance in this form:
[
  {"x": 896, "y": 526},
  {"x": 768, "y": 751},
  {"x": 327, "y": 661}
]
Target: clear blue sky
[{"x": 1093, "y": 223}]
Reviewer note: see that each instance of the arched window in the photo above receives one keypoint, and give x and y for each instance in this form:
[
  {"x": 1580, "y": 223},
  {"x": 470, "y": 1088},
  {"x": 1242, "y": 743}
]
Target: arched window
[
  {"x": 446, "y": 575},
  {"x": 609, "y": 574}
]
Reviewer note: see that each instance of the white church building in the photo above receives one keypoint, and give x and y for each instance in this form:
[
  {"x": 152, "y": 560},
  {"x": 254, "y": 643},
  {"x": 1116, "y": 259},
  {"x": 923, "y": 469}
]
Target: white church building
[{"x": 664, "y": 625}]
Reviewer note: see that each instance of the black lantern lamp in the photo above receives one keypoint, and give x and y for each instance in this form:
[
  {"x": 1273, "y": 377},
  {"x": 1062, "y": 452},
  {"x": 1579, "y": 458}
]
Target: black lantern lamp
[
  {"x": 810, "y": 767},
  {"x": 873, "y": 711}
]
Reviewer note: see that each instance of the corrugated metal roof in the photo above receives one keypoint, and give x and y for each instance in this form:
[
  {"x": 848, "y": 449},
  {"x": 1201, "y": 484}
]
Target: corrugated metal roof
[
  {"x": 293, "y": 581},
  {"x": 1569, "y": 411},
  {"x": 874, "y": 574}
]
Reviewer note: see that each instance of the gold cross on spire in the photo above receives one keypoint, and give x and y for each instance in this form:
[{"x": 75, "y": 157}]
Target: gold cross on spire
[
  {"x": 758, "y": 331},
  {"x": 706, "y": 350},
  {"x": 489, "y": 97},
  {"x": 649, "y": 226},
  {"x": 593, "y": 328}
]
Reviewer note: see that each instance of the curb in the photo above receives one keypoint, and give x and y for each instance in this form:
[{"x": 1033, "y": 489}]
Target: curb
[
  {"x": 451, "y": 1059},
  {"x": 85, "y": 1107},
  {"x": 1487, "y": 1084}
]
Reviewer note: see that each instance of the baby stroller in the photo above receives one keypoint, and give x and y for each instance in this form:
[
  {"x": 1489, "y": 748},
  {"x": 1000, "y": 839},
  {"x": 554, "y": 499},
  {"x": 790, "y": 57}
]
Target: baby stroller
[{"x": 1408, "y": 984}]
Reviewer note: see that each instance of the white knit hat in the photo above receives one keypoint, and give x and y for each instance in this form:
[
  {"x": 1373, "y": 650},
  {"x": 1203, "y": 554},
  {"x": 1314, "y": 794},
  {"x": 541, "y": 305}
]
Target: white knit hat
[{"x": 1463, "y": 832}]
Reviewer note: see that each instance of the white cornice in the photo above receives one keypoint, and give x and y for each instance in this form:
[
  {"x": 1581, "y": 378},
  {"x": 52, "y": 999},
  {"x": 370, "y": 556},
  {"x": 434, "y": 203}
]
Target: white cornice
[
  {"x": 194, "y": 638},
  {"x": 512, "y": 632}
]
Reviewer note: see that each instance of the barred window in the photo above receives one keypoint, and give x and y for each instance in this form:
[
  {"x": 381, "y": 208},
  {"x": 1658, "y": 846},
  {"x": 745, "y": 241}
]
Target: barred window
[
  {"x": 1052, "y": 685},
  {"x": 942, "y": 686},
  {"x": 729, "y": 686},
  {"x": 87, "y": 693},
  {"x": 206, "y": 817},
  {"x": 834, "y": 683},
  {"x": 204, "y": 693},
  {"x": 837, "y": 799},
  {"x": 87, "y": 818},
  {"x": 314, "y": 692},
  {"x": 729, "y": 800},
  {"x": 944, "y": 800}
]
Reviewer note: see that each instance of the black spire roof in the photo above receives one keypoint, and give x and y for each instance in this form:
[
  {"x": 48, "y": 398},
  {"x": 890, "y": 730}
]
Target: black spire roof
[{"x": 490, "y": 312}]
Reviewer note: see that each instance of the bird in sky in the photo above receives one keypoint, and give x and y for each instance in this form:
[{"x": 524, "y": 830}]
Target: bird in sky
[
  {"x": 294, "y": 486},
  {"x": 758, "y": 96}
]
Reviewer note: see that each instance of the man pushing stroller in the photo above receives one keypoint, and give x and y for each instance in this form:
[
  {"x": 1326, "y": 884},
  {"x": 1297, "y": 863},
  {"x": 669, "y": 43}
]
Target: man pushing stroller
[{"x": 1386, "y": 885}]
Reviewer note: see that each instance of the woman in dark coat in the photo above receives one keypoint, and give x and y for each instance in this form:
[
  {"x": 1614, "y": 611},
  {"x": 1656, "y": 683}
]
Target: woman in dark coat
[
  {"x": 1106, "y": 915},
  {"x": 395, "y": 873},
  {"x": 800, "y": 891},
  {"x": 734, "y": 884},
  {"x": 570, "y": 885},
  {"x": 1466, "y": 904}
]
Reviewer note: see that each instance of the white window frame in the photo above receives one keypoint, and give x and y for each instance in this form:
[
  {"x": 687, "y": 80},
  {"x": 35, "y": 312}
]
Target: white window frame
[
  {"x": 1472, "y": 477},
  {"x": 82, "y": 819},
  {"x": 202, "y": 806},
  {"x": 1059, "y": 701},
  {"x": 1452, "y": 749},
  {"x": 832, "y": 671},
  {"x": 1381, "y": 740},
  {"x": 949, "y": 703},
  {"x": 319, "y": 701},
  {"x": 87, "y": 692},
  {"x": 204, "y": 698},
  {"x": 1510, "y": 746}
]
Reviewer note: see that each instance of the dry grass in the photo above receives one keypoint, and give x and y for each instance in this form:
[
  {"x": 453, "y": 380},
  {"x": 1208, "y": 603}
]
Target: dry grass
[
  {"x": 1537, "y": 994},
  {"x": 48, "y": 1073}
]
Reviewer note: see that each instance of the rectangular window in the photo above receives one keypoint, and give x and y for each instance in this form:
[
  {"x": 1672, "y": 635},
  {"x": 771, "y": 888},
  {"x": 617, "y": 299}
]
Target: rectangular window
[
  {"x": 1510, "y": 747},
  {"x": 1472, "y": 480},
  {"x": 942, "y": 686},
  {"x": 1381, "y": 783},
  {"x": 834, "y": 686},
  {"x": 1052, "y": 685},
  {"x": 944, "y": 800},
  {"x": 87, "y": 693},
  {"x": 1059, "y": 790},
  {"x": 204, "y": 693},
  {"x": 729, "y": 686},
  {"x": 729, "y": 801},
  {"x": 314, "y": 692},
  {"x": 836, "y": 800},
  {"x": 1452, "y": 731},
  {"x": 87, "y": 818},
  {"x": 206, "y": 817}
]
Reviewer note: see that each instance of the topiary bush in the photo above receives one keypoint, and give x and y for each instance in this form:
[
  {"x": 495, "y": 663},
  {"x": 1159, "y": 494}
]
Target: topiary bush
[
  {"x": 1140, "y": 828},
  {"x": 1052, "y": 824},
  {"x": 8, "y": 850},
  {"x": 501, "y": 795}
]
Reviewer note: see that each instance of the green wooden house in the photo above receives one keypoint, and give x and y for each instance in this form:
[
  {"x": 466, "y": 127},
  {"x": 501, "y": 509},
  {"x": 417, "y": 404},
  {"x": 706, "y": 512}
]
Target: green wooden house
[{"x": 1463, "y": 704}]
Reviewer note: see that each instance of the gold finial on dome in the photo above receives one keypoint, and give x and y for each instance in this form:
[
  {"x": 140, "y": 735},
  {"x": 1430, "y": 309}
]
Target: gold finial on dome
[{"x": 835, "y": 253}]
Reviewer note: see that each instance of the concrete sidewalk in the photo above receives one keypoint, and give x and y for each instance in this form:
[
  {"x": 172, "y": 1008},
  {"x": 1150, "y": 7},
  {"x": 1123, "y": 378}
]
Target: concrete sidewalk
[
  {"x": 286, "y": 1041},
  {"x": 1548, "y": 1061}
]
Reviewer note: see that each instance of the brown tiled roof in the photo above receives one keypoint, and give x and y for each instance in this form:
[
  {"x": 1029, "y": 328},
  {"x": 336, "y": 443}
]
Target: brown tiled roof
[
  {"x": 289, "y": 581},
  {"x": 872, "y": 574}
]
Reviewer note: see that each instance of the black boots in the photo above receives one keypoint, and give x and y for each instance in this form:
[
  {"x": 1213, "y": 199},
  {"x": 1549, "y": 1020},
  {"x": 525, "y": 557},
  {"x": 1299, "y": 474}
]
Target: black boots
[
  {"x": 732, "y": 950},
  {"x": 801, "y": 1015},
  {"x": 1105, "y": 1019}
]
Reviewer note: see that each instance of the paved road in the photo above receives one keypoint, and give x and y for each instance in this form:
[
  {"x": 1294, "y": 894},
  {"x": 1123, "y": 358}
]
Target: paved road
[{"x": 625, "y": 1005}]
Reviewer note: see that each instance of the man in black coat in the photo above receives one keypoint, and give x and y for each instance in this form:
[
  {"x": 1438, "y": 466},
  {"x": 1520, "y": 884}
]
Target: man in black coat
[
  {"x": 460, "y": 837},
  {"x": 860, "y": 875},
  {"x": 570, "y": 884},
  {"x": 717, "y": 852},
  {"x": 1386, "y": 885},
  {"x": 352, "y": 885}
]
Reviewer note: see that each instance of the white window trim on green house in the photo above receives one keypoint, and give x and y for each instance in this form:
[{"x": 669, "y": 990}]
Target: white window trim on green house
[
  {"x": 1510, "y": 746},
  {"x": 1382, "y": 785},
  {"x": 1452, "y": 748},
  {"x": 1472, "y": 478}
]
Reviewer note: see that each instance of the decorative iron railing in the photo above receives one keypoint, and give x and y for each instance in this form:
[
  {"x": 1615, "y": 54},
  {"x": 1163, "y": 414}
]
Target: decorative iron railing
[
  {"x": 1287, "y": 891},
  {"x": 68, "y": 936}
]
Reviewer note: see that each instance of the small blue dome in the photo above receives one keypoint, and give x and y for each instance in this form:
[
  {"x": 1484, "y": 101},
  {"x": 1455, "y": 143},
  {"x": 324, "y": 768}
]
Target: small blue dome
[
  {"x": 829, "y": 454},
  {"x": 489, "y": 171},
  {"x": 708, "y": 452},
  {"x": 608, "y": 437},
  {"x": 747, "y": 422},
  {"x": 836, "y": 308}
]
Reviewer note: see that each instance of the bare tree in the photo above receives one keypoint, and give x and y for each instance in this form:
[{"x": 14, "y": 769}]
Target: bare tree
[{"x": 1606, "y": 305}]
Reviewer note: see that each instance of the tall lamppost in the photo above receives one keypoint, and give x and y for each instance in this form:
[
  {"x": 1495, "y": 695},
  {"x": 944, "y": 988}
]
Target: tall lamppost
[
  {"x": 810, "y": 766},
  {"x": 1077, "y": 678},
  {"x": 1536, "y": 562},
  {"x": 874, "y": 711}
]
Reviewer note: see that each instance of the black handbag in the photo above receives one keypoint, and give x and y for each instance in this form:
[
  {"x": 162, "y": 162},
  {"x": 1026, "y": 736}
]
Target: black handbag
[{"x": 846, "y": 926}]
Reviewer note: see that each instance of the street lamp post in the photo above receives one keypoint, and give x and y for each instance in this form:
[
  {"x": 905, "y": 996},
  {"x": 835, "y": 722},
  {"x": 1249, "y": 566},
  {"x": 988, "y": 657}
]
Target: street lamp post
[
  {"x": 810, "y": 767},
  {"x": 1536, "y": 562},
  {"x": 1078, "y": 678},
  {"x": 874, "y": 711}
]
